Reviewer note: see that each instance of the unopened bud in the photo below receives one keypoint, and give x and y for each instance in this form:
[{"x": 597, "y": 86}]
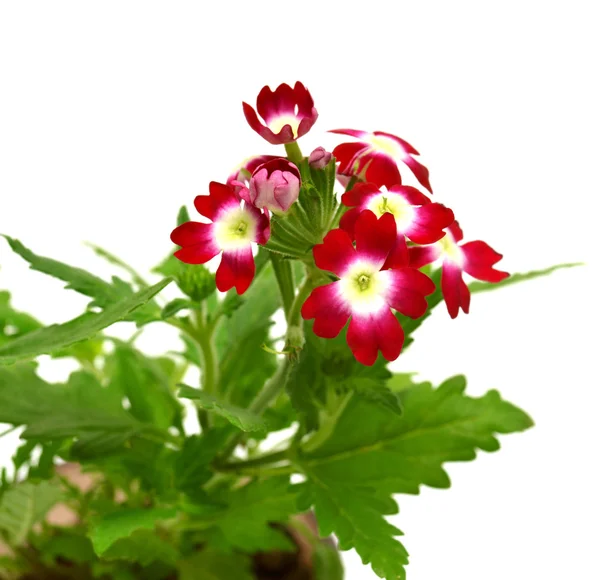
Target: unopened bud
[
  {"x": 275, "y": 185},
  {"x": 319, "y": 158}
]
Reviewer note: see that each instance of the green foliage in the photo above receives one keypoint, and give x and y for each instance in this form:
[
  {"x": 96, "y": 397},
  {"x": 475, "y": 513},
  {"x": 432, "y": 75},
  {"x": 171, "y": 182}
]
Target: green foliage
[
  {"x": 14, "y": 324},
  {"x": 122, "y": 524},
  {"x": 243, "y": 521},
  {"x": 241, "y": 418},
  {"x": 58, "y": 336},
  {"x": 392, "y": 454},
  {"x": 104, "y": 293},
  {"x": 24, "y": 505}
]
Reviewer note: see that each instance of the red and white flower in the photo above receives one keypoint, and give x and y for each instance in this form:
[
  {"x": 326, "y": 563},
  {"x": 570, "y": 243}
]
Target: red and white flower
[
  {"x": 417, "y": 218},
  {"x": 475, "y": 258},
  {"x": 375, "y": 158},
  {"x": 288, "y": 113},
  {"x": 274, "y": 185},
  {"x": 367, "y": 289},
  {"x": 235, "y": 226}
]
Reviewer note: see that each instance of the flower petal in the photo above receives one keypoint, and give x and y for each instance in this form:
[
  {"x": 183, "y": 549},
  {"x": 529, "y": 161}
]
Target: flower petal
[
  {"x": 236, "y": 269},
  {"x": 422, "y": 255},
  {"x": 479, "y": 259},
  {"x": 406, "y": 291},
  {"x": 429, "y": 223},
  {"x": 455, "y": 291},
  {"x": 197, "y": 241},
  {"x": 375, "y": 238},
  {"x": 329, "y": 310},
  {"x": 369, "y": 333},
  {"x": 336, "y": 253},
  {"x": 398, "y": 257}
]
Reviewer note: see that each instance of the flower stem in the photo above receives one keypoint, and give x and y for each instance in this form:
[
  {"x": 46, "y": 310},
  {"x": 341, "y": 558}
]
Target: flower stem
[
  {"x": 294, "y": 153},
  {"x": 285, "y": 279},
  {"x": 267, "y": 458}
]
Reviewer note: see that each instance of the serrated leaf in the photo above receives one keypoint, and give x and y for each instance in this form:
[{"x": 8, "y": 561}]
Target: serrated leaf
[
  {"x": 121, "y": 524},
  {"x": 211, "y": 564},
  {"x": 241, "y": 418},
  {"x": 244, "y": 521},
  {"x": 58, "y": 336},
  {"x": 104, "y": 293},
  {"x": 475, "y": 287},
  {"x": 143, "y": 547},
  {"x": 24, "y": 505},
  {"x": 397, "y": 455}
]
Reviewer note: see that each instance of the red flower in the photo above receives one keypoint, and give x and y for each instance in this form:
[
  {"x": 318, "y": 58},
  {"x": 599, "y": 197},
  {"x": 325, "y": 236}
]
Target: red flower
[
  {"x": 367, "y": 289},
  {"x": 416, "y": 217},
  {"x": 287, "y": 113},
  {"x": 377, "y": 155},
  {"x": 235, "y": 226},
  {"x": 475, "y": 258}
]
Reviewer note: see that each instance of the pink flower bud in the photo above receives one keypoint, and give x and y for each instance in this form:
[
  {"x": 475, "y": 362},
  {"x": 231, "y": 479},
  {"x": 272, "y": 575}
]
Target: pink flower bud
[
  {"x": 274, "y": 185},
  {"x": 319, "y": 158}
]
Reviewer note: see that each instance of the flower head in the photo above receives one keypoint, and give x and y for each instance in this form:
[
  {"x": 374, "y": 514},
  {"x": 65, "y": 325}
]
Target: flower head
[
  {"x": 288, "y": 113},
  {"x": 416, "y": 217},
  {"x": 475, "y": 258},
  {"x": 235, "y": 227},
  {"x": 367, "y": 289},
  {"x": 274, "y": 185},
  {"x": 376, "y": 156}
]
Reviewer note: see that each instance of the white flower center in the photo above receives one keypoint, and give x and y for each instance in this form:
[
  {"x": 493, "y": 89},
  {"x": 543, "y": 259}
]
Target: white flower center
[
  {"x": 385, "y": 145},
  {"x": 403, "y": 212},
  {"x": 235, "y": 230},
  {"x": 362, "y": 287},
  {"x": 451, "y": 250},
  {"x": 277, "y": 124}
]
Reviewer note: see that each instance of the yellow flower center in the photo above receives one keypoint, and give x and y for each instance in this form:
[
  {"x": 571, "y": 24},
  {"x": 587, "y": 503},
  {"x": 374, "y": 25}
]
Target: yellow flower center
[
  {"x": 277, "y": 124},
  {"x": 402, "y": 211},
  {"x": 235, "y": 230},
  {"x": 362, "y": 287}
]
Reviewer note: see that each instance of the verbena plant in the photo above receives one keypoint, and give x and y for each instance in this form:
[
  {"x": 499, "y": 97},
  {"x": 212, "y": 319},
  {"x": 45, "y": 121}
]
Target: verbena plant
[{"x": 355, "y": 275}]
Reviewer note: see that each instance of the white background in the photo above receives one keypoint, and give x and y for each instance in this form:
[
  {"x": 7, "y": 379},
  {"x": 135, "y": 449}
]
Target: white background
[{"x": 113, "y": 114}]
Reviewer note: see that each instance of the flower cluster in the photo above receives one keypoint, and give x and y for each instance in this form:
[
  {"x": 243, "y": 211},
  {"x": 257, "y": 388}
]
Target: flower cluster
[{"x": 383, "y": 232}]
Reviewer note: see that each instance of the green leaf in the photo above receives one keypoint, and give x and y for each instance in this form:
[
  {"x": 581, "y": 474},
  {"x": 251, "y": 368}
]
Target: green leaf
[
  {"x": 216, "y": 565},
  {"x": 394, "y": 454},
  {"x": 175, "y": 306},
  {"x": 192, "y": 464},
  {"x": 520, "y": 277},
  {"x": 145, "y": 385},
  {"x": 241, "y": 418},
  {"x": 104, "y": 293},
  {"x": 14, "y": 324},
  {"x": 327, "y": 564},
  {"x": 24, "y": 505},
  {"x": 121, "y": 524},
  {"x": 116, "y": 261},
  {"x": 243, "y": 522},
  {"x": 144, "y": 547},
  {"x": 58, "y": 336},
  {"x": 68, "y": 546}
]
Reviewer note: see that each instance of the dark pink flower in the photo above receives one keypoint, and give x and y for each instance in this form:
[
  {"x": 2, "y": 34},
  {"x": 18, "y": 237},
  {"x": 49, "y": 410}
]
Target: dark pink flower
[
  {"x": 319, "y": 158},
  {"x": 367, "y": 289},
  {"x": 475, "y": 258},
  {"x": 243, "y": 172},
  {"x": 274, "y": 185},
  {"x": 235, "y": 226},
  {"x": 416, "y": 217},
  {"x": 375, "y": 158},
  {"x": 288, "y": 113}
]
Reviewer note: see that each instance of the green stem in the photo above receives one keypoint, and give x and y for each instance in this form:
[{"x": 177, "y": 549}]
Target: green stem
[
  {"x": 267, "y": 458},
  {"x": 293, "y": 152},
  {"x": 285, "y": 279},
  {"x": 8, "y": 431},
  {"x": 294, "y": 318}
]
